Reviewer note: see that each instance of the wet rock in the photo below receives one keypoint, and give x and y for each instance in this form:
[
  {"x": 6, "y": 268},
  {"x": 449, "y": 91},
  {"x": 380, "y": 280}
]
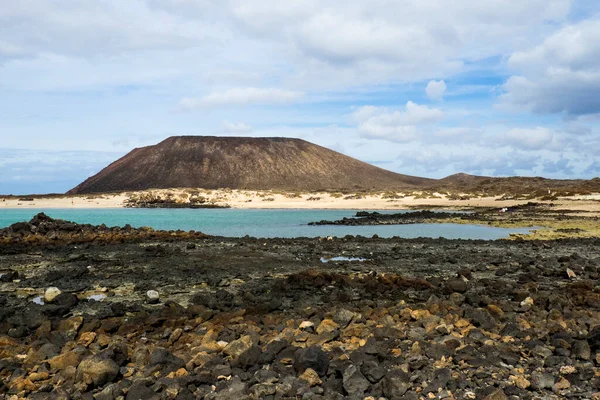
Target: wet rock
[{"x": 311, "y": 357}]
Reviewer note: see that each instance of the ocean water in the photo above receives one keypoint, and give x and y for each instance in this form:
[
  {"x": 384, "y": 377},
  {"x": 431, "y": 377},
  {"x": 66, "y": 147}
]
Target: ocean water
[{"x": 255, "y": 223}]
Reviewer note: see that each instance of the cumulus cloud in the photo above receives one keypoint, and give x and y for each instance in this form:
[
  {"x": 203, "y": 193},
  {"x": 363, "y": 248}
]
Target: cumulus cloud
[
  {"x": 435, "y": 90},
  {"x": 395, "y": 125},
  {"x": 241, "y": 96},
  {"x": 561, "y": 75},
  {"x": 529, "y": 138},
  {"x": 373, "y": 42}
]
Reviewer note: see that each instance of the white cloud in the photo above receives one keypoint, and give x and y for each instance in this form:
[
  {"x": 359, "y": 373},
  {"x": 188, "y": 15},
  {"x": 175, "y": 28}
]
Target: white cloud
[
  {"x": 529, "y": 138},
  {"x": 561, "y": 75},
  {"x": 232, "y": 127},
  {"x": 435, "y": 90},
  {"x": 395, "y": 125},
  {"x": 306, "y": 43},
  {"x": 242, "y": 96}
]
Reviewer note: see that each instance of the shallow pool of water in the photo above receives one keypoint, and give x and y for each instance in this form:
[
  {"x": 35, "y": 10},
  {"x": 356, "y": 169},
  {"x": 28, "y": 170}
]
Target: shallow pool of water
[{"x": 256, "y": 223}]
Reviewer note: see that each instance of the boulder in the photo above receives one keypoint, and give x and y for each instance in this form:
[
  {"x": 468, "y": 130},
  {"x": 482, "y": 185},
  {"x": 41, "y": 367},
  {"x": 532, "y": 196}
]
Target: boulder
[
  {"x": 312, "y": 357},
  {"x": 97, "y": 371}
]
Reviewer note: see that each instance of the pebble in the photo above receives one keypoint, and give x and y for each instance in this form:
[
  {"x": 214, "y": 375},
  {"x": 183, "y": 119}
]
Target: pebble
[{"x": 152, "y": 297}]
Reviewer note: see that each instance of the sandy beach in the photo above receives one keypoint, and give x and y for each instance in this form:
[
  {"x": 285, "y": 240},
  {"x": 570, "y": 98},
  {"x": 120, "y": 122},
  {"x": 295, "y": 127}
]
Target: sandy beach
[{"x": 277, "y": 200}]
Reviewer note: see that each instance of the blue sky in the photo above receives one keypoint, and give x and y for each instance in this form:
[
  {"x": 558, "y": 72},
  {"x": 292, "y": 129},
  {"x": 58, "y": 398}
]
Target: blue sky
[{"x": 494, "y": 87}]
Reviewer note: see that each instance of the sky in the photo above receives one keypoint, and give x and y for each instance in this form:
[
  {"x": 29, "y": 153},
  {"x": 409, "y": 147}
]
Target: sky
[{"x": 421, "y": 87}]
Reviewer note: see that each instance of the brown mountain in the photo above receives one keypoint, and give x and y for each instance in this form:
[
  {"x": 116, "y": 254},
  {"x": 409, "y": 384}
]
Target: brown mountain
[{"x": 242, "y": 163}]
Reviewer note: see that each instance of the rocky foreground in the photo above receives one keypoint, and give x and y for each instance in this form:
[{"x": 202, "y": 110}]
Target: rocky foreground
[{"x": 183, "y": 316}]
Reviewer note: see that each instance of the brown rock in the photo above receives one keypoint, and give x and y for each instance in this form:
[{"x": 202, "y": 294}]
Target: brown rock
[
  {"x": 97, "y": 371},
  {"x": 311, "y": 377},
  {"x": 420, "y": 314},
  {"x": 520, "y": 381},
  {"x": 327, "y": 326},
  {"x": 22, "y": 384},
  {"x": 86, "y": 338},
  {"x": 495, "y": 310},
  {"x": 70, "y": 326},
  {"x": 64, "y": 360},
  {"x": 38, "y": 376},
  {"x": 497, "y": 395},
  {"x": 562, "y": 384}
]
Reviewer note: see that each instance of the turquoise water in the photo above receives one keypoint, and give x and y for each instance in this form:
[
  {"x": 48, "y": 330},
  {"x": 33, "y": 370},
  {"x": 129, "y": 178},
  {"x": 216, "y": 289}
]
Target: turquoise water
[{"x": 256, "y": 223}]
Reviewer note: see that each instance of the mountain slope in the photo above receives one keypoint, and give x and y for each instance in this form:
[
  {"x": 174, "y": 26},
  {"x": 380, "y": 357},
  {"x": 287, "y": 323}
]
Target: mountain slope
[{"x": 241, "y": 163}]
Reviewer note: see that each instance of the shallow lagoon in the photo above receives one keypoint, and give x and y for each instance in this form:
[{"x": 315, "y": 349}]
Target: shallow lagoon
[{"x": 256, "y": 223}]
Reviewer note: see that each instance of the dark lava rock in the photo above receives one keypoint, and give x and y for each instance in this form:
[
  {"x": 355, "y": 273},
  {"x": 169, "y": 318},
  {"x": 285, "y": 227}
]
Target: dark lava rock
[
  {"x": 440, "y": 381},
  {"x": 355, "y": 384},
  {"x": 8, "y": 276},
  {"x": 457, "y": 285},
  {"x": 372, "y": 371},
  {"x": 164, "y": 357},
  {"x": 395, "y": 384},
  {"x": 593, "y": 338},
  {"x": 140, "y": 391},
  {"x": 312, "y": 357}
]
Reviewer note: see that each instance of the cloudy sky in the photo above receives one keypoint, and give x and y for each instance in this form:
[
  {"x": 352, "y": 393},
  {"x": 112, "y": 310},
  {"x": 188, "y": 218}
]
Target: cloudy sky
[{"x": 427, "y": 87}]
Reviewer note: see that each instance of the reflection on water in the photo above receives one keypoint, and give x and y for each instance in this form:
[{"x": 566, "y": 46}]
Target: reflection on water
[
  {"x": 97, "y": 297},
  {"x": 342, "y": 258}
]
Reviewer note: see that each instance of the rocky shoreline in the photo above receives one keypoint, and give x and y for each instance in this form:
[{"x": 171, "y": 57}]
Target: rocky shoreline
[
  {"x": 404, "y": 218},
  {"x": 174, "y": 315}
]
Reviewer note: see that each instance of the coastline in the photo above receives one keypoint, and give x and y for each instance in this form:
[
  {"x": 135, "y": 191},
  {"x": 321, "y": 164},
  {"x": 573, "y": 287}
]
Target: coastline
[{"x": 240, "y": 199}]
